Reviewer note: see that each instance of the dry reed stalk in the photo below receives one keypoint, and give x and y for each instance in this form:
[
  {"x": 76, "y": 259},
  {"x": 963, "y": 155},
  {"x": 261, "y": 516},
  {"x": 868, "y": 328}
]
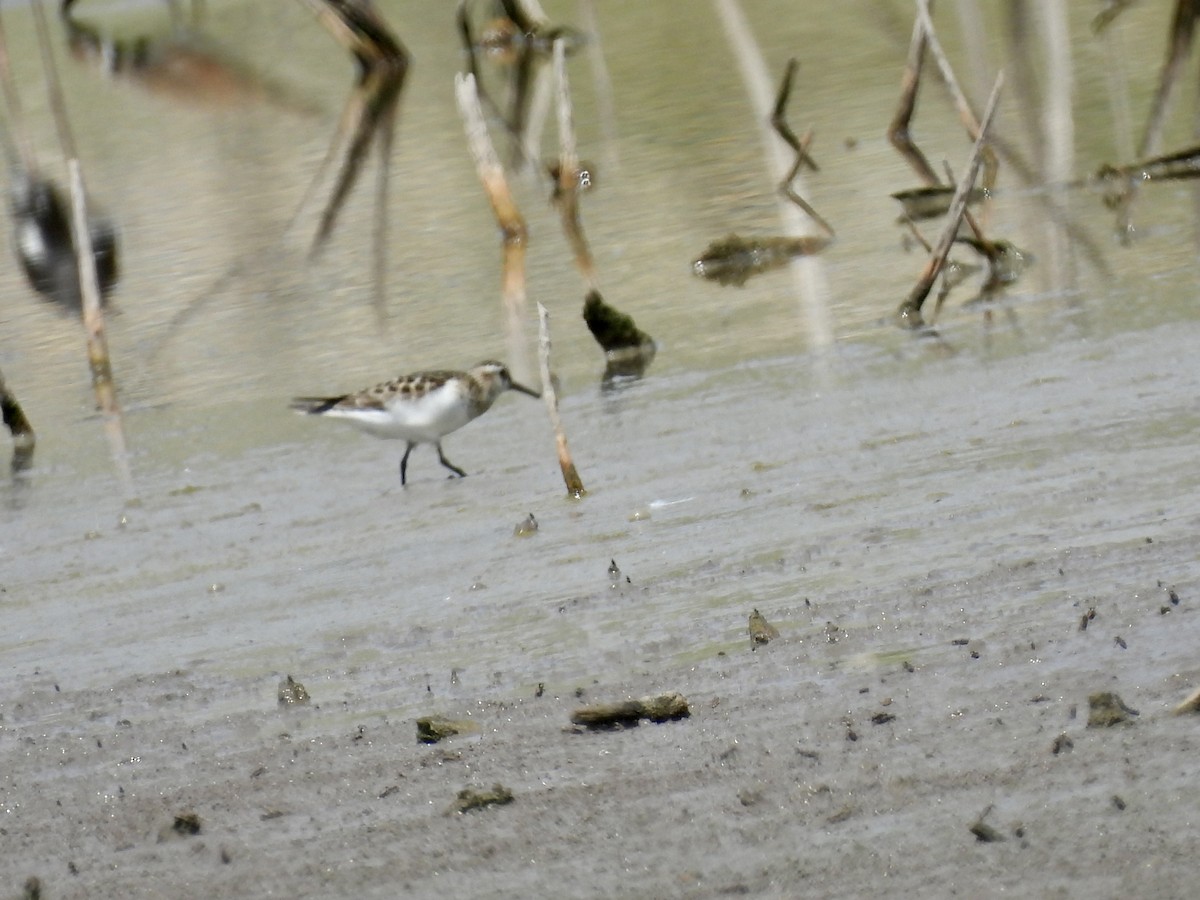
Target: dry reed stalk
[
  {"x": 99, "y": 360},
  {"x": 570, "y": 474},
  {"x": 512, "y": 225},
  {"x": 898, "y": 130},
  {"x": 567, "y": 190},
  {"x": 909, "y": 313},
  {"x": 991, "y": 164}
]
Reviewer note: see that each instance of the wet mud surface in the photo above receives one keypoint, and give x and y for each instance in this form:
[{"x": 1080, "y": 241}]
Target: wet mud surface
[
  {"x": 954, "y": 544},
  {"x": 927, "y": 567}
]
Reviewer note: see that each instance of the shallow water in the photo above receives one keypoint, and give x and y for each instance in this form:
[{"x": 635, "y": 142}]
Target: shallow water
[{"x": 882, "y": 483}]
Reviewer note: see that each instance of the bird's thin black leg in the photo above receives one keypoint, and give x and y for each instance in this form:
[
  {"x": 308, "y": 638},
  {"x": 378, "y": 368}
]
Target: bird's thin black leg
[
  {"x": 404, "y": 463},
  {"x": 449, "y": 465}
]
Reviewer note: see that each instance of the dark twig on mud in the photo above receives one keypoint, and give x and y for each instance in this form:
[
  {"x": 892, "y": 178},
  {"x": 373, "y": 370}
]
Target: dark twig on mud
[
  {"x": 89, "y": 283},
  {"x": 909, "y": 313}
]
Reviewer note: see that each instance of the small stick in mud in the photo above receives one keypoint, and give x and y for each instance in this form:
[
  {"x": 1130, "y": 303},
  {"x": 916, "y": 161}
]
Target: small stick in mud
[
  {"x": 1190, "y": 704},
  {"x": 570, "y": 474},
  {"x": 508, "y": 216},
  {"x": 628, "y": 713},
  {"x": 93, "y": 317},
  {"x": 909, "y": 313}
]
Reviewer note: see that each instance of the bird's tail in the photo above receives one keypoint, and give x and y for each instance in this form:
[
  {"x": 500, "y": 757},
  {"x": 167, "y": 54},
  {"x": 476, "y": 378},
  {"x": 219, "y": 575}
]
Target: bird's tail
[{"x": 314, "y": 406}]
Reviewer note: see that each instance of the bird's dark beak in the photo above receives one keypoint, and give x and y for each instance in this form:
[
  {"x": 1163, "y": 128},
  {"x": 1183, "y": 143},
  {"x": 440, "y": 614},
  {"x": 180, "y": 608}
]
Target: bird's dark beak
[{"x": 524, "y": 390}]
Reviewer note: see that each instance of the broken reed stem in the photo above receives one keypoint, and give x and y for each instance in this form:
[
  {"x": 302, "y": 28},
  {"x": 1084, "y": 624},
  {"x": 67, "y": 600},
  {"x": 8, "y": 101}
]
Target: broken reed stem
[
  {"x": 567, "y": 190},
  {"x": 1183, "y": 25},
  {"x": 909, "y": 313},
  {"x": 89, "y": 285},
  {"x": 512, "y": 225},
  {"x": 570, "y": 475},
  {"x": 991, "y": 164},
  {"x": 93, "y": 323},
  {"x": 898, "y": 131}
]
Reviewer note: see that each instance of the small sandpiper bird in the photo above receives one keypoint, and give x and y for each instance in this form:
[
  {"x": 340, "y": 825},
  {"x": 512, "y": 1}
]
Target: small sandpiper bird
[{"x": 421, "y": 408}]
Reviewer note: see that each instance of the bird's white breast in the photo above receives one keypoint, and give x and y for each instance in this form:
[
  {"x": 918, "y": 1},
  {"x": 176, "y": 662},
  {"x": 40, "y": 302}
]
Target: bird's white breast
[{"x": 424, "y": 419}]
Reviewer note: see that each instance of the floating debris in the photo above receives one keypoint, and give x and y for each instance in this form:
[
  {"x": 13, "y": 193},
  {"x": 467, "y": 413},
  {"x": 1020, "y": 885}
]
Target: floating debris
[
  {"x": 761, "y": 631},
  {"x": 470, "y": 798},
  {"x": 527, "y": 527},
  {"x": 930, "y": 202},
  {"x": 292, "y": 692},
  {"x": 433, "y": 729},
  {"x": 658, "y": 708},
  {"x": 1106, "y": 709},
  {"x": 734, "y": 259},
  {"x": 1062, "y": 744}
]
